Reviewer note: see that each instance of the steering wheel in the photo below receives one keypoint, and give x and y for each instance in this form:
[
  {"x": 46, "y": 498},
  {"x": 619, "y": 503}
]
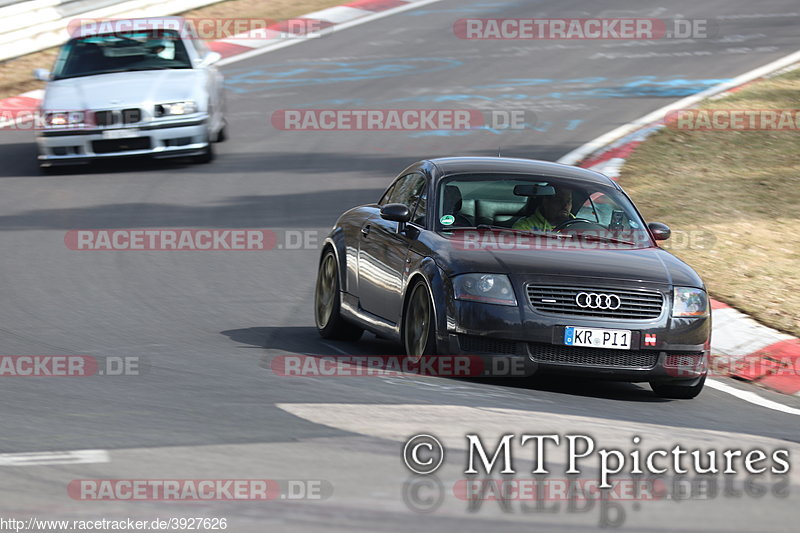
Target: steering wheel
[{"x": 569, "y": 222}]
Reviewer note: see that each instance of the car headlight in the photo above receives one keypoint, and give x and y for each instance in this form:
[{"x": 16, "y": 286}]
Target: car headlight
[
  {"x": 486, "y": 288},
  {"x": 64, "y": 118},
  {"x": 689, "y": 302},
  {"x": 176, "y": 108}
]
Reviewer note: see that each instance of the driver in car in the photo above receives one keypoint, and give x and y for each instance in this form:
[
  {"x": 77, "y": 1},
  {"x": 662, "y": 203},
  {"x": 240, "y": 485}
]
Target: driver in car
[{"x": 553, "y": 211}]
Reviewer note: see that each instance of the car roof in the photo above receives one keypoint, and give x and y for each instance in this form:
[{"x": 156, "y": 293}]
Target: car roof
[{"x": 449, "y": 166}]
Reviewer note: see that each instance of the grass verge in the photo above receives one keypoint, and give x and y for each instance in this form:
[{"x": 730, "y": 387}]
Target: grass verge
[
  {"x": 741, "y": 187},
  {"x": 16, "y": 75}
]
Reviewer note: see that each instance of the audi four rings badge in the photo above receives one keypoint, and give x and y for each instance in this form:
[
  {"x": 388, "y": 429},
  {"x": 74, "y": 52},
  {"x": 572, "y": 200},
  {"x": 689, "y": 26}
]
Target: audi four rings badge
[{"x": 593, "y": 300}]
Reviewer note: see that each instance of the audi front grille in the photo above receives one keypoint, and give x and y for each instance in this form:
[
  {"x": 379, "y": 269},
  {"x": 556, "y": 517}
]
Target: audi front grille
[{"x": 596, "y": 302}]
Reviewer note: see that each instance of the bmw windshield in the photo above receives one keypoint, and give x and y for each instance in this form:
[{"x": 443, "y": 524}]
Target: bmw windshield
[{"x": 121, "y": 52}]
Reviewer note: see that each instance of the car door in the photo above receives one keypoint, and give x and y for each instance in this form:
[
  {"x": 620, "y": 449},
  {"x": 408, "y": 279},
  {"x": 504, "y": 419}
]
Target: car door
[{"x": 383, "y": 252}]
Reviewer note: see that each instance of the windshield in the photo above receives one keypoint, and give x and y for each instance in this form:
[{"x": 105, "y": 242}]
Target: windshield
[
  {"x": 121, "y": 52},
  {"x": 557, "y": 209}
]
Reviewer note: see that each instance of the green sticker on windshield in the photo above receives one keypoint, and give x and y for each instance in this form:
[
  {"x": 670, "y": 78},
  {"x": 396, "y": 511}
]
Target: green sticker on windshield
[{"x": 447, "y": 220}]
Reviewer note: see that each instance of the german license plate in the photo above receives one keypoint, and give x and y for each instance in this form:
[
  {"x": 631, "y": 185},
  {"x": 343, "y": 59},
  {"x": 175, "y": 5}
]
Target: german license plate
[
  {"x": 617, "y": 339},
  {"x": 121, "y": 134}
]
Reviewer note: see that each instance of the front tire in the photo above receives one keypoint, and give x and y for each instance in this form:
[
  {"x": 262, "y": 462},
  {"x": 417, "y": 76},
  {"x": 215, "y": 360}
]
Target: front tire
[
  {"x": 207, "y": 156},
  {"x": 222, "y": 134},
  {"x": 419, "y": 324},
  {"x": 678, "y": 392},
  {"x": 48, "y": 171},
  {"x": 328, "y": 303}
]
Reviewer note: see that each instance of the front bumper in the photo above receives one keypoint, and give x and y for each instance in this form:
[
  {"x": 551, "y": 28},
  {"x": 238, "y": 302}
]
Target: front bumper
[
  {"x": 159, "y": 140},
  {"x": 533, "y": 342}
]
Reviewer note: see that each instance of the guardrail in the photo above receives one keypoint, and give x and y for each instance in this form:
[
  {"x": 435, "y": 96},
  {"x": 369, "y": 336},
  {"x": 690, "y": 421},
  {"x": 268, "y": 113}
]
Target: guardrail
[{"x": 33, "y": 25}]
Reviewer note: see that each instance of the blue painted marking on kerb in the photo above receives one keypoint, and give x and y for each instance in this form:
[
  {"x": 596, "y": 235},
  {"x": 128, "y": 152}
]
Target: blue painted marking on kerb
[{"x": 303, "y": 73}]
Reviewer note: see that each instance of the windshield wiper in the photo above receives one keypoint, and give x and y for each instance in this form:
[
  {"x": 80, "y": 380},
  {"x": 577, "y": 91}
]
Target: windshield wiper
[
  {"x": 599, "y": 238},
  {"x": 537, "y": 233},
  {"x": 490, "y": 227},
  {"x": 101, "y": 72}
]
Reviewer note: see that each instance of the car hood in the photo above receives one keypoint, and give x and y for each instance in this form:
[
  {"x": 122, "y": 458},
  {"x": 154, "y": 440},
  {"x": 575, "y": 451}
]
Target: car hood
[
  {"x": 122, "y": 89},
  {"x": 646, "y": 265}
]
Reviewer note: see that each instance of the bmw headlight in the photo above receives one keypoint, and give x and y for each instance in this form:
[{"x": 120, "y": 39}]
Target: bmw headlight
[
  {"x": 176, "y": 108},
  {"x": 486, "y": 288},
  {"x": 689, "y": 302},
  {"x": 62, "y": 119}
]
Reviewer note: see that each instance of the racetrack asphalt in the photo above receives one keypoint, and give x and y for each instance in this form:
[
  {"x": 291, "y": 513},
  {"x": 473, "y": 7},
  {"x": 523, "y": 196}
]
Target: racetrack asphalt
[{"x": 206, "y": 325}]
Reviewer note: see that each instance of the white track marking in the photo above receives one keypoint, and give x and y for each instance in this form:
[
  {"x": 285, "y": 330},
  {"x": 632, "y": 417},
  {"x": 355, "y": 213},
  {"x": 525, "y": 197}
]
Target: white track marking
[
  {"x": 338, "y": 14},
  {"x": 326, "y": 31},
  {"x": 592, "y": 146},
  {"x": 449, "y": 423},
  {"x": 751, "y": 397},
  {"x": 54, "y": 458}
]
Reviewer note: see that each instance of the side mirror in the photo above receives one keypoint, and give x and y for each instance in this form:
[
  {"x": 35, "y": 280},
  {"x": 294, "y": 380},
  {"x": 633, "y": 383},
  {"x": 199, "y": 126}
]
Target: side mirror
[
  {"x": 210, "y": 59},
  {"x": 661, "y": 232},
  {"x": 396, "y": 213},
  {"x": 41, "y": 74}
]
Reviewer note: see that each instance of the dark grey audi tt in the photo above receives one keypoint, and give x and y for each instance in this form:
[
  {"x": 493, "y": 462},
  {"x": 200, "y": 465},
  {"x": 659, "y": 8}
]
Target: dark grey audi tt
[{"x": 526, "y": 260}]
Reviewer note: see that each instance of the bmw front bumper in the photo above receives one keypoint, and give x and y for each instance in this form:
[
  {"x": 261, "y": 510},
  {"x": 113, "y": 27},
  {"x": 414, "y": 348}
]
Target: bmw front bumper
[{"x": 160, "y": 140}]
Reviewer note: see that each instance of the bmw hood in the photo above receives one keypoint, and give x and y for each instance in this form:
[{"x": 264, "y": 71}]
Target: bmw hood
[
  {"x": 646, "y": 265},
  {"x": 123, "y": 89}
]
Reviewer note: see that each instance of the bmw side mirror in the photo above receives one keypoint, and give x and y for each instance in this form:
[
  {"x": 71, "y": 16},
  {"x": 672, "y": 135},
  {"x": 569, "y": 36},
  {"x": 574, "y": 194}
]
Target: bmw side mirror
[
  {"x": 41, "y": 74},
  {"x": 661, "y": 232},
  {"x": 396, "y": 213}
]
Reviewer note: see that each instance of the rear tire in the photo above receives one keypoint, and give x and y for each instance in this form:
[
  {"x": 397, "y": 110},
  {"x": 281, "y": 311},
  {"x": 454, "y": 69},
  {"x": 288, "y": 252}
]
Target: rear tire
[
  {"x": 678, "y": 392},
  {"x": 419, "y": 324},
  {"x": 328, "y": 303}
]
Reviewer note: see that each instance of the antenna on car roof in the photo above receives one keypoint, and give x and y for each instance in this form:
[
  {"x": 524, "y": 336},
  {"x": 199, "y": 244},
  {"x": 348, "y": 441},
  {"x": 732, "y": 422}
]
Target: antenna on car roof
[{"x": 499, "y": 149}]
